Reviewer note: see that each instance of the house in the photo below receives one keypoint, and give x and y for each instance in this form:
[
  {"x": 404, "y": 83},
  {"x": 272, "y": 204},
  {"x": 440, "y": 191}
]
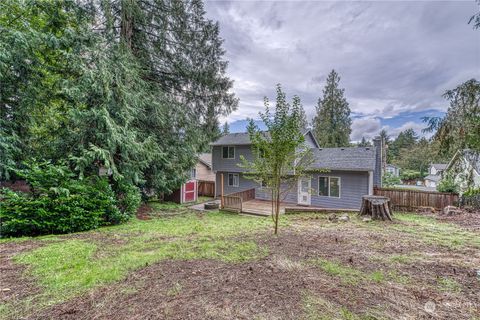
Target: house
[
  {"x": 352, "y": 173},
  {"x": 434, "y": 175},
  {"x": 203, "y": 169},
  {"x": 393, "y": 170},
  {"x": 464, "y": 168}
]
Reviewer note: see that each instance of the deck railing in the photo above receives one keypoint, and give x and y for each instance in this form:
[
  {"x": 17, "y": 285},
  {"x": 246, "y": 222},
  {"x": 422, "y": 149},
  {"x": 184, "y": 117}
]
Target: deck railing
[{"x": 233, "y": 201}]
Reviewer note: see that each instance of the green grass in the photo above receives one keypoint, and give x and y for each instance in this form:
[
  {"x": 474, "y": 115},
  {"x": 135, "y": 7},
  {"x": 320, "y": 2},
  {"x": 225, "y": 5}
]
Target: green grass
[
  {"x": 431, "y": 231},
  {"x": 352, "y": 276},
  {"x": 318, "y": 308},
  {"x": 346, "y": 274},
  {"x": 447, "y": 284},
  {"x": 73, "y": 266}
]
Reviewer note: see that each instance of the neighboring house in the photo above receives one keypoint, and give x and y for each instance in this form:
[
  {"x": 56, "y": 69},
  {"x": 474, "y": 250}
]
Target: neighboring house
[
  {"x": 352, "y": 173},
  {"x": 464, "y": 168},
  {"x": 393, "y": 170},
  {"x": 203, "y": 169},
  {"x": 434, "y": 175}
]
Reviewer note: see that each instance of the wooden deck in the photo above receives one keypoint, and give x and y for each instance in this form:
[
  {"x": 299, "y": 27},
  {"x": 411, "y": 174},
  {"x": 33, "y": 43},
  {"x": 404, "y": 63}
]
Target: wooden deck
[{"x": 264, "y": 208}]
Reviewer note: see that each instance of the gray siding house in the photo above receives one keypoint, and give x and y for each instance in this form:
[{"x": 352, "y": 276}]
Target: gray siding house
[{"x": 350, "y": 173}]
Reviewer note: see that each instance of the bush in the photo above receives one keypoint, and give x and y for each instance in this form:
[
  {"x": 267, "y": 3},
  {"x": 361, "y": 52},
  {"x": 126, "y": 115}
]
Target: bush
[
  {"x": 389, "y": 179},
  {"x": 128, "y": 199},
  {"x": 58, "y": 203},
  {"x": 447, "y": 185},
  {"x": 410, "y": 175}
]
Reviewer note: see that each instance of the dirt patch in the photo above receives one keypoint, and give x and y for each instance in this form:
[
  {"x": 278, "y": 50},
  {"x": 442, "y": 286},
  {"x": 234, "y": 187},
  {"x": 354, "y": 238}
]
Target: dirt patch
[
  {"x": 14, "y": 284},
  {"x": 278, "y": 286},
  {"x": 467, "y": 220},
  {"x": 143, "y": 212}
]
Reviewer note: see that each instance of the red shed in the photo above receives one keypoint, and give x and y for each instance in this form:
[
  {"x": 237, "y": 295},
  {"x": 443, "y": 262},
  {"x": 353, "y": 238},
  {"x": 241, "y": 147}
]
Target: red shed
[{"x": 186, "y": 193}]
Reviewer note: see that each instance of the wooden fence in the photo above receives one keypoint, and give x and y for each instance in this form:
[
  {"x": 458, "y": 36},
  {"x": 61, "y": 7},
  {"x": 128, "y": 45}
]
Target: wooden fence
[
  {"x": 412, "y": 199},
  {"x": 233, "y": 201},
  {"x": 206, "y": 188}
]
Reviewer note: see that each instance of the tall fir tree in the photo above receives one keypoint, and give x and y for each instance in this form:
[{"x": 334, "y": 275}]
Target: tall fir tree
[
  {"x": 225, "y": 128},
  {"x": 332, "y": 123},
  {"x": 303, "y": 118}
]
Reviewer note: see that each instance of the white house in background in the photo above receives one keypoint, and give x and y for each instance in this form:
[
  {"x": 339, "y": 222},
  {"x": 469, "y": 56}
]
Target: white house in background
[
  {"x": 464, "y": 168},
  {"x": 434, "y": 174},
  {"x": 393, "y": 170}
]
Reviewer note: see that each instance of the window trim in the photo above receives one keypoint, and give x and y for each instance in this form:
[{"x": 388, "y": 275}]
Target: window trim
[
  {"x": 233, "y": 180},
  {"x": 228, "y": 152},
  {"x": 328, "y": 183}
]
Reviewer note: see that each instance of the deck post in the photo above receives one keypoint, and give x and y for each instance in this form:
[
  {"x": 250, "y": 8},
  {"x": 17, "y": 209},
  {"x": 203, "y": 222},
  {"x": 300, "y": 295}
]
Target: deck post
[{"x": 221, "y": 194}]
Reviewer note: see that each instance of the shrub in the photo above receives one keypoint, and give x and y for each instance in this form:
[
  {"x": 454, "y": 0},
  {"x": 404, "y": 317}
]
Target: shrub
[
  {"x": 411, "y": 175},
  {"x": 447, "y": 185},
  {"x": 128, "y": 199},
  {"x": 58, "y": 203},
  {"x": 389, "y": 179}
]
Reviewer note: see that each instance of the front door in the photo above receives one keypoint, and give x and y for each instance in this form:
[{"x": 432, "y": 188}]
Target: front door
[{"x": 304, "y": 186}]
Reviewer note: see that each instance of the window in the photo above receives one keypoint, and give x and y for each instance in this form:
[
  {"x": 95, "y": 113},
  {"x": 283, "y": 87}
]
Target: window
[
  {"x": 233, "y": 179},
  {"x": 228, "y": 152},
  {"x": 329, "y": 186},
  {"x": 264, "y": 184},
  {"x": 193, "y": 173}
]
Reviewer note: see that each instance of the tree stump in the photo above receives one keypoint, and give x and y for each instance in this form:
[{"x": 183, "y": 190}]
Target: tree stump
[{"x": 377, "y": 207}]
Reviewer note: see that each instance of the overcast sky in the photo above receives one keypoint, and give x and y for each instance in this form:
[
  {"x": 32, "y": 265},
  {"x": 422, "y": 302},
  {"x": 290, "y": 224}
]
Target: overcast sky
[{"x": 395, "y": 59}]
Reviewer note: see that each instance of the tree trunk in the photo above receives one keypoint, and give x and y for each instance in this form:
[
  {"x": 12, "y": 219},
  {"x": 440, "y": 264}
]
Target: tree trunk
[{"x": 377, "y": 207}]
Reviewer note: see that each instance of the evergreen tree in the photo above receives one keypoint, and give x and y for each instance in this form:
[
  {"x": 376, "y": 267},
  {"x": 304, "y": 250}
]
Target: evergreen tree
[
  {"x": 225, "y": 128},
  {"x": 405, "y": 139},
  {"x": 364, "y": 143},
  {"x": 303, "y": 118},
  {"x": 460, "y": 128},
  {"x": 332, "y": 123}
]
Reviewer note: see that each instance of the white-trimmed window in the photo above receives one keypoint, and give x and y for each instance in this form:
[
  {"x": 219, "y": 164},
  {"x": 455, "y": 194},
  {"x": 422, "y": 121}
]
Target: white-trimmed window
[
  {"x": 329, "y": 186},
  {"x": 233, "y": 179},
  {"x": 228, "y": 152},
  {"x": 193, "y": 173}
]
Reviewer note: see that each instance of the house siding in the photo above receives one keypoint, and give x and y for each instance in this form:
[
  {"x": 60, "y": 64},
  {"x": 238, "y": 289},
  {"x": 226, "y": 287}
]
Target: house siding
[
  {"x": 243, "y": 184},
  {"x": 354, "y": 185},
  {"x": 230, "y": 165},
  {"x": 204, "y": 172}
]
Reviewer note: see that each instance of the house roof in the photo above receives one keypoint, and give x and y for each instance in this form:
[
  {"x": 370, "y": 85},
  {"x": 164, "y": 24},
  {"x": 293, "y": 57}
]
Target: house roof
[
  {"x": 471, "y": 156},
  {"x": 347, "y": 159},
  {"x": 206, "y": 159},
  {"x": 243, "y": 138},
  {"x": 432, "y": 177},
  {"x": 439, "y": 166}
]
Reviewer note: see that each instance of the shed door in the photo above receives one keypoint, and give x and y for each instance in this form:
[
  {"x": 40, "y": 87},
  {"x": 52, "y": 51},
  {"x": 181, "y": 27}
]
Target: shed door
[
  {"x": 304, "y": 186},
  {"x": 190, "y": 191}
]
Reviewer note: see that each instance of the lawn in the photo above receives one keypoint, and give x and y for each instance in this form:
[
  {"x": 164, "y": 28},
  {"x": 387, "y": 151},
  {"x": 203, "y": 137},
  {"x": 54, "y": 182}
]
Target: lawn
[{"x": 223, "y": 266}]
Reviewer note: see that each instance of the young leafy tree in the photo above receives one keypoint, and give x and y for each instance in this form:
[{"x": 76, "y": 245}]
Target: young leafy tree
[
  {"x": 280, "y": 154},
  {"x": 332, "y": 123}
]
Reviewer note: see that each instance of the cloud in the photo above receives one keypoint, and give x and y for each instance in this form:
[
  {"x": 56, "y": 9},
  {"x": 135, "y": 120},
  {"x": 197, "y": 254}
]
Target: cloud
[{"x": 394, "y": 58}]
